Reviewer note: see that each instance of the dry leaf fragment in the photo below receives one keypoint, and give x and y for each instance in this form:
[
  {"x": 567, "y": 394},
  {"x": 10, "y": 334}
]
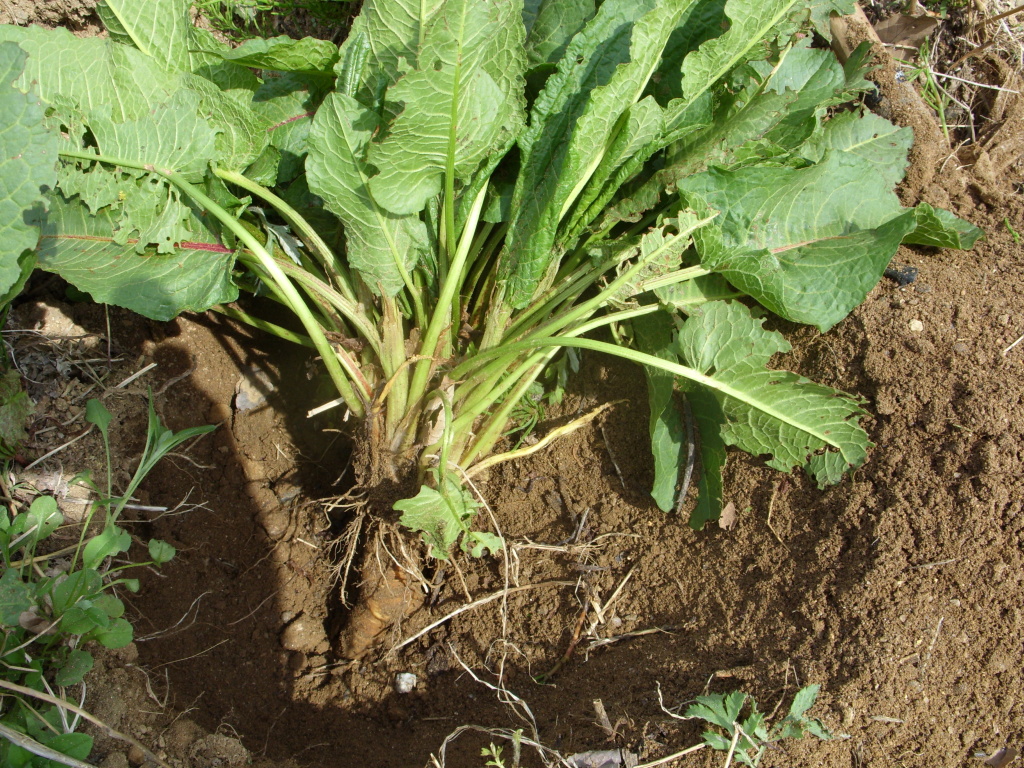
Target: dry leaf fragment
[
  {"x": 905, "y": 31},
  {"x": 727, "y": 520},
  {"x": 1002, "y": 757}
]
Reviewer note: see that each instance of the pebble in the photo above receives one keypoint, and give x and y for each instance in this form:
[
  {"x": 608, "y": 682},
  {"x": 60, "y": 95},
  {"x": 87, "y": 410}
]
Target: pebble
[
  {"x": 916, "y": 326},
  {"x": 252, "y": 389},
  {"x": 303, "y": 634},
  {"x": 405, "y": 682}
]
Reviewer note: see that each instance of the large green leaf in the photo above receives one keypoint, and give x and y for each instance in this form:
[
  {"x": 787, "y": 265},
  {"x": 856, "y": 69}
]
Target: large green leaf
[
  {"x": 384, "y": 40},
  {"x": 749, "y": 22},
  {"x": 173, "y": 136},
  {"x": 98, "y": 75},
  {"x": 81, "y": 248},
  {"x": 775, "y": 413},
  {"x": 283, "y": 54},
  {"x": 463, "y": 99},
  {"x": 807, "y": 243},
  {"x": 242, "y": 133},
  {"x": 160, "y": 29},
  {"x": 287, "y": 104},
  {"x": 550, "y": 24},
  {"x": 28, "y": 155},
  {"x": 380, "y": 245},
  {"x": 603, "y": 72},
  {"x": 653, "y": 335}
]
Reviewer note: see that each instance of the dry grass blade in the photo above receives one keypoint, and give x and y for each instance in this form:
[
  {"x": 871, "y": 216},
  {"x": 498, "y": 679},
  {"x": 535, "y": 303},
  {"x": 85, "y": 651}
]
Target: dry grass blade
[
  {"x": 15, "y": 688},
  {"x": 40, "y": 750}
]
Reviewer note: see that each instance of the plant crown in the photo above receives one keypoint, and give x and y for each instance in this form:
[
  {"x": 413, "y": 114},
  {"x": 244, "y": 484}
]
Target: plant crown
[{"x": 507, "y": 180}]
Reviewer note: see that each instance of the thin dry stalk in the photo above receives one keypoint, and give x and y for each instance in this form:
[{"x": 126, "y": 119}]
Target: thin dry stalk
[
  {"x": 476, "y": 604},
  {"x": 31, "y": 745},
  {"x": 60, "y": 703}
]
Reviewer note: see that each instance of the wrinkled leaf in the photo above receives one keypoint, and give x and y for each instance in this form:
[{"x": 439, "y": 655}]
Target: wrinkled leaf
[
  {"x": 83, "y": 250},
  {"x": 28, "y": 158},
  {"x": 940, "y": 228},
  {"x": 284, "y": 54},
  {"x": 550, "y": 24},
  {"x": 668, "y": 433},
  {"x": 160, "y": 29},
  {"x": 98, "y": 75},
  {"x": 775, "y": 413},
  {"x": 381, "y": 245},
  {"x": 792, "y": 240},
  {"x": 443, "y": 517},
  {"x": 458, "y": 103}
]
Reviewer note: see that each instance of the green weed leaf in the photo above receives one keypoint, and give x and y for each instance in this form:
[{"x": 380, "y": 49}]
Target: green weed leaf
[
  {"x": 83, "y": 617},
  {"x": 75, "y": 745},
  {"x": 15, "y": 597},
  {"x": 111, "y": 541},
  {"x": 96, "y": 413},
  {"x": 74, "y": 669},
  {"x": 160, "y": 551},
  {"x": 803, "y": 701},
  {"x": 15, "y": 408},
  {"x": 109, "y": 604},
  {"x": 43, "y": 517},
  {"x": 117, "y": 635}
]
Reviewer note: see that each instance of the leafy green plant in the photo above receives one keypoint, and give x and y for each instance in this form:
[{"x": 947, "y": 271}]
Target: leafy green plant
[
  {"x": 237, "y": 17},
  {"x": 54, "y": 602},
  {"x": 508, "y": 182},
  {"x": 746, "y": 737}
]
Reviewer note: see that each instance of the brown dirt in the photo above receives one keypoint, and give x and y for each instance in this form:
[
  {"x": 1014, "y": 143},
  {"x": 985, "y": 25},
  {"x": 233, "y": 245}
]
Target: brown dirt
[{"x": 900, "y": 591}]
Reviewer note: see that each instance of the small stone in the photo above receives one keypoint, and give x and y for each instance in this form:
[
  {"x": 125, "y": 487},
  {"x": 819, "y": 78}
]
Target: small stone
[
  {"x": 303, "y": 634},
  {"x": 405, "y": 682},
  {"x": 916, "y": 326},
  {"x": 115, "y": 760},
  {"x": 136, "y": 756},
  {"x": 252, "y": 389},
  {"x": 1004, "y": 319},
  {"x": 961, "y": 349}
]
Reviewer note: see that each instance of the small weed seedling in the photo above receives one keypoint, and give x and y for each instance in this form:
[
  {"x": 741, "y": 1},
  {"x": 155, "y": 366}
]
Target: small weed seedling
[
  {"x": 54, "y": 603},
  {"x": 746, "y": 738}
]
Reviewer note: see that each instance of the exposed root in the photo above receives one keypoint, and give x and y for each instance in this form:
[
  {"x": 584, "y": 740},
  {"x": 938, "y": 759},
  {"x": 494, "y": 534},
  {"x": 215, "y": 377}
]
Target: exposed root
[{"x": 390, "y": 591}]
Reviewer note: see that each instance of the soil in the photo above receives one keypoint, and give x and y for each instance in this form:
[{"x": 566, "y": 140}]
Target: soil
[{"x": 900, "y": 592}]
